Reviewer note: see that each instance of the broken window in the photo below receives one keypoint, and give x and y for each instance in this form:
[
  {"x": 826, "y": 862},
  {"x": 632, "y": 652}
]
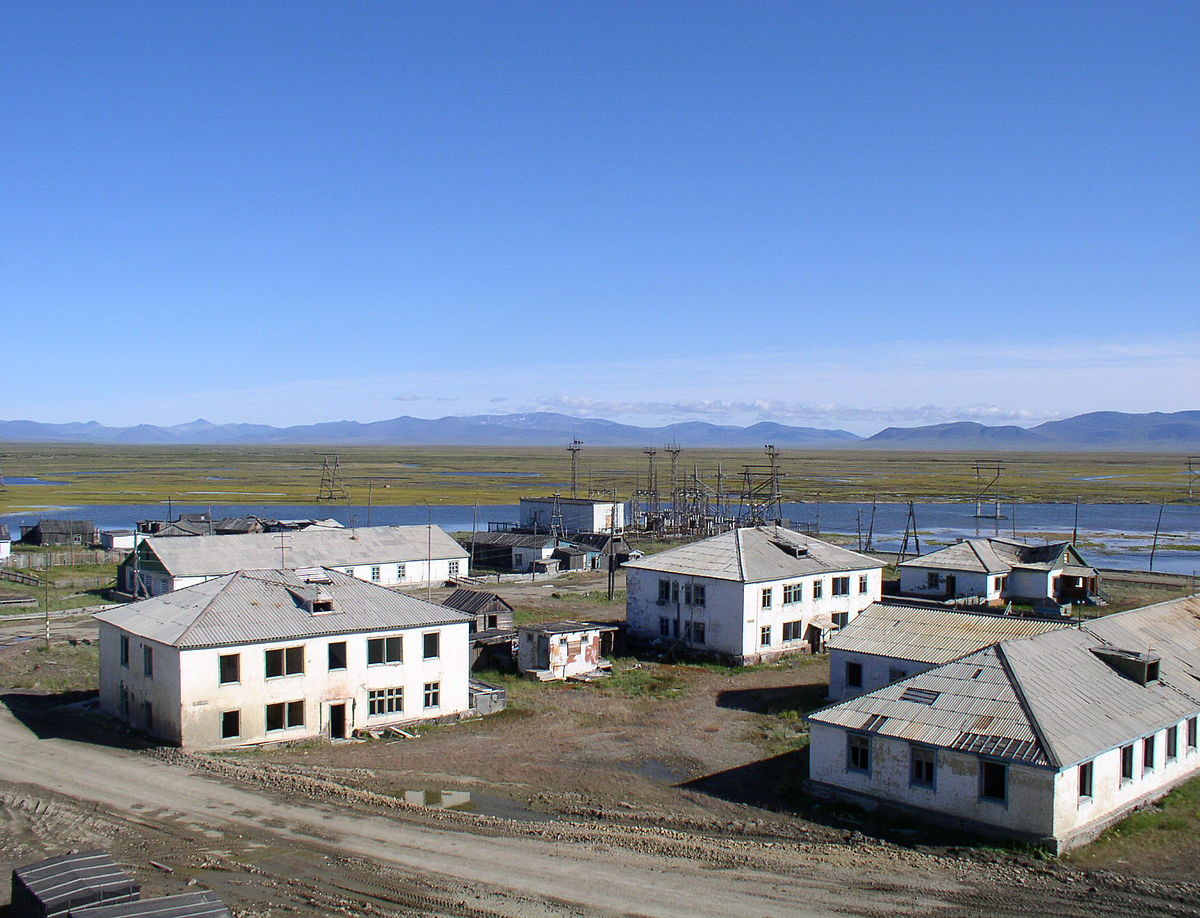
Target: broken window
[
  {"x": 1085, "y": 781},
  {"x": 433, "y": 694},
  {"x": 1127, "y": 763},
  {"x": 932, "y": 580},
  {"x": 993, "y": 781},
  {"x": 432, "y": 645},
  {"x": 698, "y": 594},
  {"x": 1148, "y": 754},
  {"x": 922, "y": 762},
  {"x": 697, "y": 633},
  {"x": 818, "y": 589},
  {"x": 854, "y": 675},
  {"x": 664, "y": 591},
  {"x": 337, "y": 655},
  {"x": 385, "y": 650},
  {"x": 863, "y": 583},
  {"x": 230, "y": 668},
  {"x": 664, "y": 626},
  {"x": 858, "y": 752},
  {"x": 148, "y": 662},
  {"x": 285, "y": 714},
  {"x": 841, "y": 586},
  {"x": 231, "y": 724},
  {"x": 385, "y": 701},
  {"x": 792, "y": 631}
]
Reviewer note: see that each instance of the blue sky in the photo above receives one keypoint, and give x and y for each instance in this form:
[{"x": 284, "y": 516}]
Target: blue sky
[{"x": 838, "y": 214}]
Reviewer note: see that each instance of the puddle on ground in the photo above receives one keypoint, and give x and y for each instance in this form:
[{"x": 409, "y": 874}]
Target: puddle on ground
[{"x": 471, "y": 802}]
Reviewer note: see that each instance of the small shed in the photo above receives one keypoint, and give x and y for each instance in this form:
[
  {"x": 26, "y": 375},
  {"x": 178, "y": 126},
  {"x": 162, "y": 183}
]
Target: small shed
[
  {"x": 203, "y": 904},
  {"x": 56, "y": 887},
  {"x": 491, "y": 610},
  {"x": 117, "y": 539},
  {"x": 486, "y": 698},
  {"x": 565, "y": 650},
  {"x": 60, "y": 532}
]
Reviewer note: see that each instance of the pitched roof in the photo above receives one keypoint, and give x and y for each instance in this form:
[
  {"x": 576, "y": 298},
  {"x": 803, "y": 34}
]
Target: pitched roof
[
  {"x": 202, "y": 556},
  {"x": 997, "y": 556},
  {"x": 756, "y": 554},
  {"x": 1048, "y": 699},
  {"x": 248, "y": 607},
  {"x": 475, "y": 601},
  {"x": 513, "y": 539},
  {"x": 569, "y": 627},
  {"x": 80, "y": 527},
  {"x": 931, "y": 635}
]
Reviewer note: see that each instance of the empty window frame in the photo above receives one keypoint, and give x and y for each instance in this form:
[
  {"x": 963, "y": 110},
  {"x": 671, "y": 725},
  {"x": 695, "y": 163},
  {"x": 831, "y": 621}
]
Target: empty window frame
[
  {"x": 1086, "y": 780},
  {"x": 841, "y": 586},
  {"x": 696, "y": 633},
  {"x": 1172, "y": 743},
  {"x": 337, "y": 655},
  {"x": 858, "y": 752},
  {"x": 993, "y": 781},
  {"x": 385, "y": 701},
  {"x": 1191, "y": 734},
  {"x": 922, "y": 765},
  {"x": 125, "y": 650},
  {"x": 664, "y": 591},
  {"x": 932, "y": 580},
  {"x": 230, "y": 668},
  {"x": 767, "y": 596},
  {"x": 793, "y": 592},
  {"x": 854, "y": 675},
  {"x": 431, "y": 645},
  {"x": 385, "y": 650},
  {"x": 664, "y": 626},
  {"x": 764, "y": 636},
  {"x": 231, "y": 724},
  {"x": 818, "y": 589},
  {"x": 792, "y": 631},
  {"x": 895, "y": 675},
  {"x": 147, "y": 662},
  {"x": 285, "y": 715},
  {"x": 285, "y": 661},
  {"x": 864, "y": 583},
  {"x": 1148, "y": 754},
  {"x": 699, "y": 594},
  {"x": 433, "y": 694},
  {"x": 1127, "y": 763}
]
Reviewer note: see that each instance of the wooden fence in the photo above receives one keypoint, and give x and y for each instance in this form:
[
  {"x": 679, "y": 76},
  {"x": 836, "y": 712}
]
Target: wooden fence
[{"x": 28, "y": 560}]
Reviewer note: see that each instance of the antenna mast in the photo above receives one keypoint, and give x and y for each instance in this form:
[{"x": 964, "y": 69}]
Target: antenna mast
[{"x": 573, "y": 448}]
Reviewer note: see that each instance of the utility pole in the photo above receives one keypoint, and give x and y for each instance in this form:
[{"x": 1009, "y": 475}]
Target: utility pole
[
  {"x": 429, "y": 555},
  {"x": 1157, "y": 527},
  {"x": 370, "y": 499}
]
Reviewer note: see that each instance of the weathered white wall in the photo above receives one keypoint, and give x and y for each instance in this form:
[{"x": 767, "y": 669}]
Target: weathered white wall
[
  {"x": 877, "y": 672},
  {"x": 1032, "y": 585},
  {"x": 1029, "y": 809},
  {"x": 914, "y": 582},
  {"x": 537, "y": 513},
  {"x": 5, "y": 548},
  {"x": 161, "y": 689},
  {"x": 186, "y": 686},
  {"x": 112, "y": 541},
  {"x": 571, "y": 654}
]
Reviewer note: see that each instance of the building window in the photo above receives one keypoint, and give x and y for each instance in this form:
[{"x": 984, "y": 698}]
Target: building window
[
  {"x": 375, "y": 573},
  {"x": 766, "y": 597},
  {"x": 431, "y": 645},
  {"x": 385, "y": 701},
  {"x": 348, "y": 570},
  {"x": 285, "y": 661},
  {"x": 863, "y": 583},
  {"x": 285, "y": 715},
  {"x": 698, "y": 594},
  {"x": 433, "y": 694},
  {"x": 664, "y": 591},
  {"x": 792, "y": 631},
  {"x": 793, "y": 592},
  {"x": 841, "y": 586},
  {"x": 818, "y": 589},
  {"x": 148, "y": 716},
  {"x": 125, "y": 650},
  {"x": 895, "y": 675},
  {"x": 1127, "y": 763},
  {"x": 1172, "y": 743},
  {"x": 1148, "y": 754},
  {"x": 385, "y": 650},
  {"x": 764, "y": 637},
  {"x": 922, "y": 765},
  {"x": 932, "y": 581},
  {"x": 1085, "y": 781},
  {"x": 993, "y": 781},
  {"x": 148, "y": 662},
  {"x": 696, "y": 635},
  {"x": 664, "y": 626},
  {"x": 230, "y": 668},
  {"x": 231, "y": 724},
  {"x": 337, "y": 655},
  {"x": 1191, "y": 734},
  {"x": 854, "y": 675},
  {"x": 858, "y": 752},
  {"x": 453, "y": 568},
  {"x": 400, "y": 571}
]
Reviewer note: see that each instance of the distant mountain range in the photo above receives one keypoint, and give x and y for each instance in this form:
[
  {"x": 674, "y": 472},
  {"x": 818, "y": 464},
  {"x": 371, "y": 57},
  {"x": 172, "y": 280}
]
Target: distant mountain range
[{"x": 1107, "y": 430}]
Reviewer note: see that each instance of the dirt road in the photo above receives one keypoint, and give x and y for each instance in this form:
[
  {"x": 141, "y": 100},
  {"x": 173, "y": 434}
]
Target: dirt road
[{"x": 330, "y": 857}]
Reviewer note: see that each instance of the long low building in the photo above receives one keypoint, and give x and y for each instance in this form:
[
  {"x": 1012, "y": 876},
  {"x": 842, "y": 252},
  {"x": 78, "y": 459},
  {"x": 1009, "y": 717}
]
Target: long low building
[
  {"x": 386, "y": 555},
  {"x": 1049, "y": 739},
  {"x": 260, "y": 656}
]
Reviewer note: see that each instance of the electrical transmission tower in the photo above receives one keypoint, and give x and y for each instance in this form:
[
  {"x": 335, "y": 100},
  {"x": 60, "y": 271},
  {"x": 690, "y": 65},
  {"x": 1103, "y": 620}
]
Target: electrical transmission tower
[
  {"x": 331, "y": 480},
  {"x": 762, "y": 496},
  {"x": 986, "y": 490},
  {"x": 674, "y": 449}
]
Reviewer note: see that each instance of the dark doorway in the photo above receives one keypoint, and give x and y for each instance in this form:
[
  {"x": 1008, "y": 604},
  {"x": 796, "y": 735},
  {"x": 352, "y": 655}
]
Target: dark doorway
[
  {"x": 951, "y": 586},
  {"x": 337, "y": 721}
]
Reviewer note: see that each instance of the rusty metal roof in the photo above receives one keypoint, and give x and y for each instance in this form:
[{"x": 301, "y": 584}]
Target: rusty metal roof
[{"x": 931, "y": 635}]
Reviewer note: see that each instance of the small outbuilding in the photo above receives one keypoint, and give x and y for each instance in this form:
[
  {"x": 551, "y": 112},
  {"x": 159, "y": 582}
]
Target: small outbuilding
[
  {"x": 64, "y": 885},
  {"x": 565, "y": 650},
  {"x": 61, "y": 532},
  {"x": 5, "y": 541},
  {"x": 117, "y": 539},
  {"x": 493, "y": 633}
]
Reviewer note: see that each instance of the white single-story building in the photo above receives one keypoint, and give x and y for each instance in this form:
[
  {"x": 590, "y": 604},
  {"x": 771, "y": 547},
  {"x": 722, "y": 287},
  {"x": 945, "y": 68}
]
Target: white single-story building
[
  {"x": 1049, "y": 739},
  {"x": 269, "y": 655},
  {"x": 749, "y": 594},
  {"x": 563, "y": 650},
  {"x": 116, "y": 539},
  {"x": 579, "y": 514},
  {"x": 998, "y": 570},
  {"x": 890, "y": 641},
  {"x": 5, "y": 541},
  {"x": 387, "y": 555}
]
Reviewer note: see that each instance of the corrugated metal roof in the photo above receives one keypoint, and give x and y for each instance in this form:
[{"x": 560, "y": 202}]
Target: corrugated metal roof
[
  {"x": 1048, "y": 699},
  {"x": 758, "y": 554},
  {"x": 930, "y": 635},
  {"x": 203, "y": 904},
  {"x": 86, "y": 876},
  {"x": 475, "y": 601},
  {"x": 998, "y": 556},
  {"x": 513, "y": 539},
  {"x": 256, "y": 606},
  {"x": 569, "y": 627},
  {"x": 205, "y": 556}
]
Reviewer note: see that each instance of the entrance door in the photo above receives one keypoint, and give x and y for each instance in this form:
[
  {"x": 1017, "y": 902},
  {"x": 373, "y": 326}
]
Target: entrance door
[
  {"x": 337, "y": 721},
  {"x": 951, "y": 586}
]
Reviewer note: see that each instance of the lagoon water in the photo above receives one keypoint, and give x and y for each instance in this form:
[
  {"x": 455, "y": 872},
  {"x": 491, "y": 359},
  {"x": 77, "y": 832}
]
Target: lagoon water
[{"x": 1110, "y": 535}]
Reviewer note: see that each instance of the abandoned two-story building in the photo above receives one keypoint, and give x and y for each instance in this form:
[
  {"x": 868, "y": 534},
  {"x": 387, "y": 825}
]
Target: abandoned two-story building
[
  {"x": 261, "y": 656},
  {"x": 1049, "y": 738},
  {"x": 750, "y": 594}
]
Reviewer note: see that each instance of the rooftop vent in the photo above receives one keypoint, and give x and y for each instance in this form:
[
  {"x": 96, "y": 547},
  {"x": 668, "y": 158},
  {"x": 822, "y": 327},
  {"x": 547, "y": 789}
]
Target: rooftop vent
[
  {"x": 314, "y": 599},
  {"x": 920, "y": 695},
  {"x": 1140, "y": 666},
  {"x": 313, "y": 575},
  {"x": 796, "y": 551}
]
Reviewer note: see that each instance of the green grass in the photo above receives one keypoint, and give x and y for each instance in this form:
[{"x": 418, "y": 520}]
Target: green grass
[
  {"x": 642, "y": 680},
  {"x": 1177, "y": 812}
]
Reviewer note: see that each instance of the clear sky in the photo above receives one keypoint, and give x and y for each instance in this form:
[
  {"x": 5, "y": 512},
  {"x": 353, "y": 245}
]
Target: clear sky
[{"x": 843, "y": 214}]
